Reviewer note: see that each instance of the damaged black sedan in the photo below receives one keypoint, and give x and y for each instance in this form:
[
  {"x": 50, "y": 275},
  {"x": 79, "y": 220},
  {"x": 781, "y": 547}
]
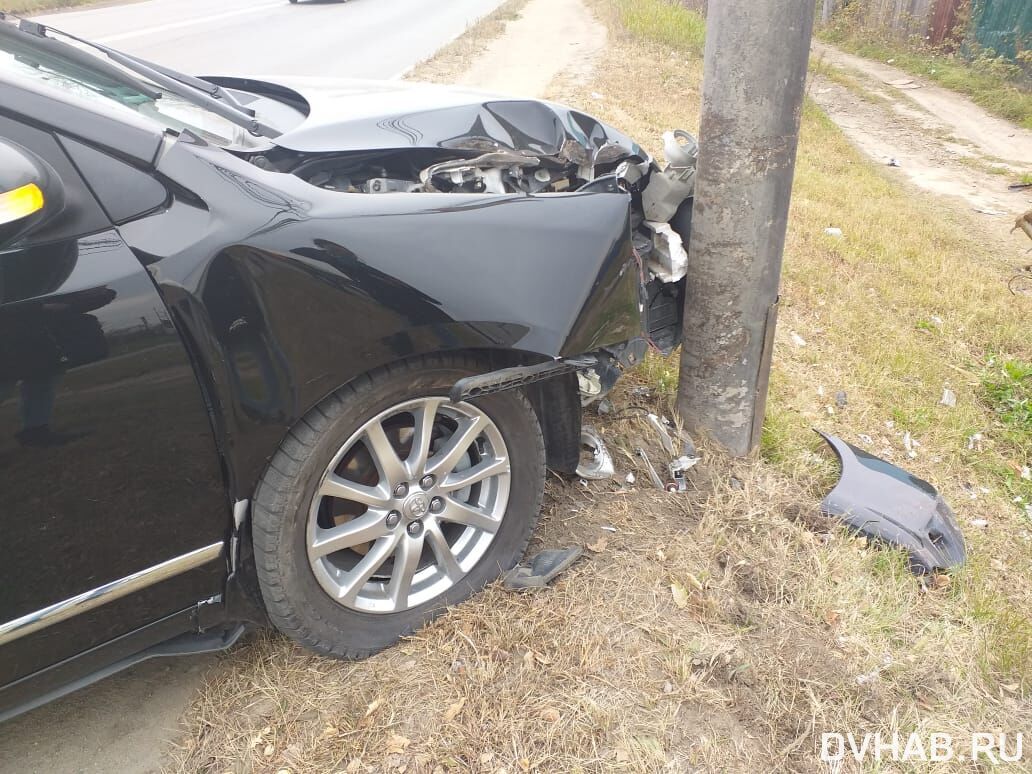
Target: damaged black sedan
[{"x": 294, "y": 353}]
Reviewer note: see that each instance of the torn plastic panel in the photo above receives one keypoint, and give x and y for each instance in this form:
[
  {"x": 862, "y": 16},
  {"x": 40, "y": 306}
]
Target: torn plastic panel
[
  {"x": 886, "y": 503},
  {"x": 384, "y": 139}
]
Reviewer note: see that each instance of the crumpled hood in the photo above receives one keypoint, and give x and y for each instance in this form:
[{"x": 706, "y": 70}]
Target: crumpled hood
[{"x": 357, "y": 115}]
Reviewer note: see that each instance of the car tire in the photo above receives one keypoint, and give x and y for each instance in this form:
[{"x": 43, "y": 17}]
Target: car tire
[{"x": 321, "y": 600}]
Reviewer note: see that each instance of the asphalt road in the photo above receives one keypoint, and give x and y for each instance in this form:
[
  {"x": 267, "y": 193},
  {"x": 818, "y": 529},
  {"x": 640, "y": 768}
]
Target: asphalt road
[
  {"x": 327, "y": 38},
  {"x": 124, "y": 723}
]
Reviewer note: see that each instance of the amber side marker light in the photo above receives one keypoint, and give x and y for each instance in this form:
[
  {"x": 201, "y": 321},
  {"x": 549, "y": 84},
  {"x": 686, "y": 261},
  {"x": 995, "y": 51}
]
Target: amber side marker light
[{"x": 20, "y": 203}]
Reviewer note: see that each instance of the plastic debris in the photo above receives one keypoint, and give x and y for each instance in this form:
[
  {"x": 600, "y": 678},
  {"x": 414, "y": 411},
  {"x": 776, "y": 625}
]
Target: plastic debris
[
  {"x": 975, "y": 442},
  {"x": 949, "y": 397},
  {"x": 664, "y": 434},
  {"x": 678, "y": 468},
  {"x": 653, "y": 475},
  {"x": 910, "y": 444},
  {"x": 630, "y": 478},
  {"x": 541, "y": 569},
  {"x": 798, "y": 340},
  {"x": 894, "y": 163},
  {"x": 832, "y": 231},
  {"x": 841, "y": 399},
  {"x": 888, "y": 504},
  {"x": 600, "y": 466}
]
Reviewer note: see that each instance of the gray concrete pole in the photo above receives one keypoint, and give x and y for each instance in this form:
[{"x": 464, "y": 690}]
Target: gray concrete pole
[{"x": 752, "y": 94}]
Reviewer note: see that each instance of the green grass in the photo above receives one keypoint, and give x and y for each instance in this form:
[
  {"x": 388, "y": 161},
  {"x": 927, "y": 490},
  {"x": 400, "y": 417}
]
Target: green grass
[
  {"x": 985, "y": 81},
  {"x": 664, "y": 22},
  {"x": 1008, "y": 391}
]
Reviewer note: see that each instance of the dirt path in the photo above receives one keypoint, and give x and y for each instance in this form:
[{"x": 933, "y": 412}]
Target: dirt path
[
  {"x": 941, "y": 141},
  {"x": 549, "y": 37},
  {"x": 121, "y": 724}
]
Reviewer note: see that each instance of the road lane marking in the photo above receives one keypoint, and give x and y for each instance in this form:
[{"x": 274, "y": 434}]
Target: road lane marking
[{"x": 186, "y": 23}]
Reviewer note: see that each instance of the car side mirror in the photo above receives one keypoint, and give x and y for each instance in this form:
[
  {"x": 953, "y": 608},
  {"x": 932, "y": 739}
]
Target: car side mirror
[{"x": 30, "y": 192}]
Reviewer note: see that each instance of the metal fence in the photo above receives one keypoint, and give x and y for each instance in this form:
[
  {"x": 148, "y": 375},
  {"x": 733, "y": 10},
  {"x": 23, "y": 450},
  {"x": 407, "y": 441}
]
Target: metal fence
[
  {"x": 1000, "y": 26},
  {"x": 1003, "y": 26}
]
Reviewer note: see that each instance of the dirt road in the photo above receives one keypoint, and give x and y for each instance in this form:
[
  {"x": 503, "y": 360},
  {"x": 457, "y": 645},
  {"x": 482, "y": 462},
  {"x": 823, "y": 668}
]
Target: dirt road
[{"x": 941, "y": 141}]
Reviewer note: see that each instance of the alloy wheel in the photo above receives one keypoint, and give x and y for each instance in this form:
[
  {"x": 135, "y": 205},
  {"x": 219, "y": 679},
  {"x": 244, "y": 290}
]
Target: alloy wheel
[{"x": 408, "y": 505}]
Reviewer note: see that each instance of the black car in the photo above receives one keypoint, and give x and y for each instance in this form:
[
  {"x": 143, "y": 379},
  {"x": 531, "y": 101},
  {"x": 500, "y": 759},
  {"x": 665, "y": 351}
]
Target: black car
[{"x": 294, "y": 353}]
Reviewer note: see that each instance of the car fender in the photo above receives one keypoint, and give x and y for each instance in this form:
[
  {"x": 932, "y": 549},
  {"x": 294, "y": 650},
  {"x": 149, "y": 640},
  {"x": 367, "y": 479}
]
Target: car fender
[{"x": 284, "y": 291}]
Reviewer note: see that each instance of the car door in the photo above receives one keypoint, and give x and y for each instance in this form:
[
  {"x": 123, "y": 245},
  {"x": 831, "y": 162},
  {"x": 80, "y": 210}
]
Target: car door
[{"x": 113, "y": 513}]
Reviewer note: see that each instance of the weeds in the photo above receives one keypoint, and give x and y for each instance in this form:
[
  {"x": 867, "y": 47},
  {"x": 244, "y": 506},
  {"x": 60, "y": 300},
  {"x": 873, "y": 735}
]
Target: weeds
[
  {"x": 1008, "y": 391},
  {"x": 664, "y": 21}
]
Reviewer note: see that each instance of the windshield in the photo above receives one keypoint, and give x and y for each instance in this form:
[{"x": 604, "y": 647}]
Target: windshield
[{"x": 100, "y": 83}]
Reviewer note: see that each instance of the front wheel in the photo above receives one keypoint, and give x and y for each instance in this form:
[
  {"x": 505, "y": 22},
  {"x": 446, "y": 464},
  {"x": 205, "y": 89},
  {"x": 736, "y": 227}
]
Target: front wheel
[{"x": 387, "y": 503}]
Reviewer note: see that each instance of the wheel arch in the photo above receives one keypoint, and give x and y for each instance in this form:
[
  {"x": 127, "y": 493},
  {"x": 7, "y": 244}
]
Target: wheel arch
[{"x": 555, "y": 401}]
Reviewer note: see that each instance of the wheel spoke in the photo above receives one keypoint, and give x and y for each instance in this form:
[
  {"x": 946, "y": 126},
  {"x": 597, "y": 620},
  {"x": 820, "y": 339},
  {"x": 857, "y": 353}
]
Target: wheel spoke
[
  {"x": 335, "y": 486},
  {"x": 460, "y": 513},
  {"x": 402, "y": 552},
  {"x": 406, "y": 560},
  {"x": 363, "y": 571},
  {"x": 442, "y": 551},
  {"x": 364, "y": 529},
  {"x": 384, "y": 456},
  {"x": 445, "y": 460},
  {"x": 422, "y": 435},
  {"x": 460, "y": 479}
]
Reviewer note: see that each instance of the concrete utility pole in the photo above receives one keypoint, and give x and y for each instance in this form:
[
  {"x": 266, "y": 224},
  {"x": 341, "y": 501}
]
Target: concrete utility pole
[{"x": 752, "y": 94}]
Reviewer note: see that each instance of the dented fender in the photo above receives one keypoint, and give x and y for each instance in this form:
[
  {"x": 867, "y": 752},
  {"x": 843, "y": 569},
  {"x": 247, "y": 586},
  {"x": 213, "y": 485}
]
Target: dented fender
[{"x": 285, "y": 291}]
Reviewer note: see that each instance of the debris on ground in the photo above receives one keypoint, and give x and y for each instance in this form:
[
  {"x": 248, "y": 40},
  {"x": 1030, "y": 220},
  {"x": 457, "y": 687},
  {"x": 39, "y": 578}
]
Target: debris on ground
[
  {"x": 835, "y": 232},
  {"x": 949, "y": 398},
  {"x": 542, "y": 568},
  {"x": 894, "y": 163},
  {"x": 678, "y": 468},
  {"x": 887, "y": 504},
  {"x": 653, "y": 475},
  {"x": 910, "y": 444},
  {"x": 663, "y": 433},
  {"x": 600, "y": 465},
  {"x": 841, "y": 399}
]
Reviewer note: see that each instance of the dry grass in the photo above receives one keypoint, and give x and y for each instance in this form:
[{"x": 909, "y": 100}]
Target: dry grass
[
  {"x": 452, "y": 60},
  {"x": 785, "y": 629},
  {"x": 37, "y": 6}
]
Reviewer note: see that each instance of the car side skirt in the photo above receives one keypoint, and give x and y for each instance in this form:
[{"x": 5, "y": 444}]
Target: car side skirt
[
  {"x": 109, "y": 592},
  {"x": 174, "y": 635}
]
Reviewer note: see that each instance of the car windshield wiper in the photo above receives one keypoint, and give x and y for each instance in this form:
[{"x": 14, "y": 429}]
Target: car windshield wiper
[
  {"x": 41, "y": 48},
  {"x": 198, "y": 91}
]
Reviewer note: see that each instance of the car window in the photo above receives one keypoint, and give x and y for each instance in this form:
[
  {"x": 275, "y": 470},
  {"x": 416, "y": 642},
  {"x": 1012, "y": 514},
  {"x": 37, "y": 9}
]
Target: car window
[{"x": 169, "y": 111}]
